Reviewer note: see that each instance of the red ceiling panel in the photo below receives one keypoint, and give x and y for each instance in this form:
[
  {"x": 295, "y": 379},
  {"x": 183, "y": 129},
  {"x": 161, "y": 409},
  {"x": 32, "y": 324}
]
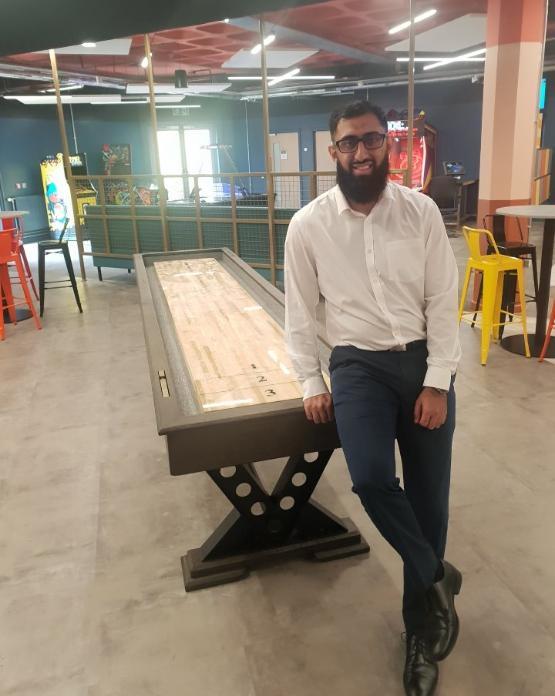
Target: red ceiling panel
[{"x": 361, "y": 24}]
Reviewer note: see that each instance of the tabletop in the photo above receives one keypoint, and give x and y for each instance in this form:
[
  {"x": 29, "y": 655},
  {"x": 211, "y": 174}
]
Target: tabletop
[
  {"x": 541, "y": 212},
  {"x": 9, "y": 214}
]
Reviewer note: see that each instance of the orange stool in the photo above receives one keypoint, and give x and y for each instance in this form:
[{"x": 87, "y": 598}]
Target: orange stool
[
  {"x": 9, "y": 225},
  {"x": 9, "y": 253}
]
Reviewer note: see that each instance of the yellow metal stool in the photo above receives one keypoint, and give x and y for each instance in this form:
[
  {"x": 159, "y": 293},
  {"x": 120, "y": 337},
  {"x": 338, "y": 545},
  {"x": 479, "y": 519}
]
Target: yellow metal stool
[{"x": 492, "y": 266}]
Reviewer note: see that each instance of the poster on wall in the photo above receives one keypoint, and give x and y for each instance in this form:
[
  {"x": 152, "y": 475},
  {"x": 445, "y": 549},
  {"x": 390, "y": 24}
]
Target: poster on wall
[
  {"x": 116, "y": 159},
  {"x": 56, "y": 193}
]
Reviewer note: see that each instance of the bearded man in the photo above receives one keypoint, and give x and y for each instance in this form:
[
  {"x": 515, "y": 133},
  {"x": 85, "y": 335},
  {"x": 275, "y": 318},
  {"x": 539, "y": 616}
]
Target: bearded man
[{"x": 379, "y": 256}]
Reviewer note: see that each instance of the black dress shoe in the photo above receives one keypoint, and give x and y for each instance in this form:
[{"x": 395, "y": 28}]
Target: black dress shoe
[
  {"x": 442, "y": 620},
  {"x": 421, "y": 672}
]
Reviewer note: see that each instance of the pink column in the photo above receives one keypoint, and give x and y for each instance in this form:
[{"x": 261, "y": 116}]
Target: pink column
[{"x": 515, "y": 35}]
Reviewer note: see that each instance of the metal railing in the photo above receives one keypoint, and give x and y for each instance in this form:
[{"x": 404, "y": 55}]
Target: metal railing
[{"x": 149, "y": 212}]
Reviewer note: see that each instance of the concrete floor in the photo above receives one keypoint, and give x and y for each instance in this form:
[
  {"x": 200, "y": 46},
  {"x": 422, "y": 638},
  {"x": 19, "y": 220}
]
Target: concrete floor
[{"x": 92, "y": 527}]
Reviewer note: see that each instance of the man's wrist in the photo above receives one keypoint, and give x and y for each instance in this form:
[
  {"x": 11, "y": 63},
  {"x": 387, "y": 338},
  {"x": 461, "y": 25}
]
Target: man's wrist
[{"x": 438, "y": 390}]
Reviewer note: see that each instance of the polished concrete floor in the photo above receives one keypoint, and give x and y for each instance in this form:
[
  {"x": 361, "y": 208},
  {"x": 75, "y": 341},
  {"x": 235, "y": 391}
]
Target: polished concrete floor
[{"x": 92, "y": 527}]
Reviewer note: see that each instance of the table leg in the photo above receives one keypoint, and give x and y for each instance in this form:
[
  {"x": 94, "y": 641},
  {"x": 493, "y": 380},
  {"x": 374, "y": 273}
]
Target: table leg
[
  {"x": 545, "y": 278},
  {"x": 270, "y": 526}
]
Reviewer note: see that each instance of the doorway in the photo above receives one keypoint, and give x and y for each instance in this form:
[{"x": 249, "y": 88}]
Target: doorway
[
  {"x": 285, "y": 158},
  {"x": 324, "y": 163}
]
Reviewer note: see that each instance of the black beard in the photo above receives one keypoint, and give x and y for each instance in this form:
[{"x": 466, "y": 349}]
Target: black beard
[{"x": 366, "y": 188}]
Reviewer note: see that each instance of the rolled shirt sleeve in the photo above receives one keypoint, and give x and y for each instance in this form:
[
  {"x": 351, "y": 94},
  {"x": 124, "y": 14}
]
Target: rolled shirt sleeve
[
  {"x": 301, "y": 299},
  {"x": 440, "y": 304}
]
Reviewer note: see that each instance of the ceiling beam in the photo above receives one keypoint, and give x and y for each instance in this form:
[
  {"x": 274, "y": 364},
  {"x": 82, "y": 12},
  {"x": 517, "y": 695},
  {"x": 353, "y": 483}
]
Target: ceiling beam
[{"x": 312, "y": 41}]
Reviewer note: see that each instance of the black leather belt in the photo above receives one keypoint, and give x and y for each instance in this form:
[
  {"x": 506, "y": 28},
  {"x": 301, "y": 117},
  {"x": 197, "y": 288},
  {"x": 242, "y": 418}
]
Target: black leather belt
[{"x": 413, "y": 345}]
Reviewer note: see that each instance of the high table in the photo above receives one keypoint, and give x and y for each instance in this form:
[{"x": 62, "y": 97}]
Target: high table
[
  {"x": 8, "y": 220},
  {"x": 515, "y": 344}
]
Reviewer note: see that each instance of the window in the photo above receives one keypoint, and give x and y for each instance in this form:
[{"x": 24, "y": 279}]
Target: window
[{"x": 185, "y": 151}]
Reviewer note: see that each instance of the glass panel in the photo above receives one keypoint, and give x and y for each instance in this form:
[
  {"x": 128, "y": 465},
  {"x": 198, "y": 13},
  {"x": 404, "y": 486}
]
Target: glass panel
[
  {"x": 171, "y": 163},
  {"x": 199, "y": 161}
]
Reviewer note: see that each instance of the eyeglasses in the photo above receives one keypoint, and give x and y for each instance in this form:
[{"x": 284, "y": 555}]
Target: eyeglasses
[{"x": 371, "y": 141}]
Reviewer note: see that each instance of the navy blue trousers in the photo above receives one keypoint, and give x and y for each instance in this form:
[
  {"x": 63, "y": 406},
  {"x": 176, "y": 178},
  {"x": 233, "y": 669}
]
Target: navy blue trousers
[{"x": 374, "y": 393}]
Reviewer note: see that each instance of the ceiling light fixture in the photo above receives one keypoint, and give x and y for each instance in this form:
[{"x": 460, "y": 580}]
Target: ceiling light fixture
[
  {"x": 144, "y": 63},
  {"x": 226, "y": 20},
  {"x": 285, "y": 76},
  {"x": 64, "y": 88},
  {"x": 178, "y": 106},
  {"x": 438, "y": 58},
  {"x": 313, "y": 77},
  {"x": 267, "y": 41},
  {"x": 418, "y": 18},
  {"x": 88, "y": 44},
  {"x": 457, "y": 59},
  {"x": 239, "y": 78}
]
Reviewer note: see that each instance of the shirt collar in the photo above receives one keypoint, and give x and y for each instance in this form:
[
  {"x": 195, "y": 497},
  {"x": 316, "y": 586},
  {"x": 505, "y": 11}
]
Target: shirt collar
[{"x": 343, "y": 204}]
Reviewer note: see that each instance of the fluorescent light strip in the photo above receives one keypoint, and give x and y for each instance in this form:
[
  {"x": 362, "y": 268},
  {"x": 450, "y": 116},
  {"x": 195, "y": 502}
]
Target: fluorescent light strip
[
  {"x": 267, "y": 41},
  {"x": 285, "y": 76},
  {"x": 418, "y": 18},
  {"x": 246, "y": 78},
  {"x": 65, "y": 88},
  {"x": 179, "y": 106},
  {"x": 88, "y": 44},
  {"x": 438, "y": 58},
  {"x": 457, "y": 59}
]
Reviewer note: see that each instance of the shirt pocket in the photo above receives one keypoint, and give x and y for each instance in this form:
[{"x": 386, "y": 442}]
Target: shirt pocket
[{"x": 405, "y": 260}]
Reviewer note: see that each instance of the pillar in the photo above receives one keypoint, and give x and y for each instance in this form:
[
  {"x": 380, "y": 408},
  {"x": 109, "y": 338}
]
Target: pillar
[{"x": 514, "y": 59}]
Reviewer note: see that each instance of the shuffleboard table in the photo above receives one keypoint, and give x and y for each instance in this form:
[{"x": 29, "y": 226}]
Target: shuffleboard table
[{"x": 225, "y": 397}]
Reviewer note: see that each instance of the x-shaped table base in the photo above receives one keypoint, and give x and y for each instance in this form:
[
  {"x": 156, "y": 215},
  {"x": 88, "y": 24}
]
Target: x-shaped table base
[{"x": 270, "y": 526}]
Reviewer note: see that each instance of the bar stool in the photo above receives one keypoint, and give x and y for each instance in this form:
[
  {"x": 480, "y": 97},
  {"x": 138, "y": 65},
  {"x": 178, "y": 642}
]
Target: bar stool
[
  {"x": 17, "y": 238},
  {"x": 492, "y": 266},
  {"x": 52, "y": 246},
  {"x": 9, "y": 254},
  {"x": 516, "y": 248}
]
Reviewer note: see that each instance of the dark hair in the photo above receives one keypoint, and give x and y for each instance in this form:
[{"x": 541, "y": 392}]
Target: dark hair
[{"x": 355, "y": 109}]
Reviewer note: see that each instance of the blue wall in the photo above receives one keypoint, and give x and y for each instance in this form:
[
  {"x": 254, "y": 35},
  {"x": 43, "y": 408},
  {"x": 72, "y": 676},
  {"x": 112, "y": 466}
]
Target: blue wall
[{"x": 27, "y": 133}]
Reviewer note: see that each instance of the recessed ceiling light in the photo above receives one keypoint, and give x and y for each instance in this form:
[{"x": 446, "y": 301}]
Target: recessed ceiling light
[
  {"x": 267, "y": 41},
  {"x": 88, "y": 44},
  {"x": 418, "y": 18},
  {"x": 226, "y": 20},
  {"x": 456, "y": 59}
]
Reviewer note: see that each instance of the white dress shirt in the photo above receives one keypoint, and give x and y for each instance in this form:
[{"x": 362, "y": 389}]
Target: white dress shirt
[{"x": 387, "y": 279}]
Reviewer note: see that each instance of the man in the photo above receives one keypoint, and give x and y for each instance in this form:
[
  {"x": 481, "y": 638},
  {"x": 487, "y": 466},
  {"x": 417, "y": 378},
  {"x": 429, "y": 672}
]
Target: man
[{"x": 379, "y": 256}]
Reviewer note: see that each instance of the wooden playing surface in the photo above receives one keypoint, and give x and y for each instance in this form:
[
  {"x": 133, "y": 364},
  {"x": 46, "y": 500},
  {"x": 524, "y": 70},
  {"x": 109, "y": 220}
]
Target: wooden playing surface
[{"x": 234, "y": 351}]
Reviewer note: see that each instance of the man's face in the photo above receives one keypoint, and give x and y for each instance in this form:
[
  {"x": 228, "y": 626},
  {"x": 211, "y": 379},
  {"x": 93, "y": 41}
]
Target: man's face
[{"x": 361, "y": 172}]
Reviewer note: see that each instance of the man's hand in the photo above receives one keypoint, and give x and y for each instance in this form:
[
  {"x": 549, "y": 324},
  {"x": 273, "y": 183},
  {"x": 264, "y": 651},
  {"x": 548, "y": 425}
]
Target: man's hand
[
  {"x": 319, "y": 409},
  {"x": 430, "y": 409}
]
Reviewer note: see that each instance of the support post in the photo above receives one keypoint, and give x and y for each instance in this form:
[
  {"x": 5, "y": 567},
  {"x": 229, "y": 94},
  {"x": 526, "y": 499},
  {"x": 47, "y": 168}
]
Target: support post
[
  {"x": 157, "y": 168},
  {"x": 67, "y": 164},
  {"x": 410, "y": 98},
  {"x": 268, "y": 155}
]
